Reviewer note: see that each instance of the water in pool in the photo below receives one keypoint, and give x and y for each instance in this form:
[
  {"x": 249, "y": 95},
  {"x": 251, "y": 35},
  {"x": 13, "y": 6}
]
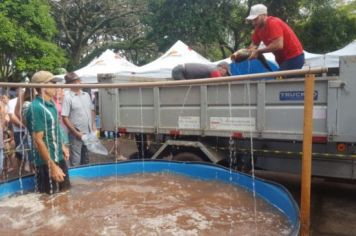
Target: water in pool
[{"x": 142, "y": 204}]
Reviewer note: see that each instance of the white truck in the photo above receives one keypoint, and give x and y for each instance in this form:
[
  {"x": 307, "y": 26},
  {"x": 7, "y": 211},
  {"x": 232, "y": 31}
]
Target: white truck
[{"x": 229, "y": 122}]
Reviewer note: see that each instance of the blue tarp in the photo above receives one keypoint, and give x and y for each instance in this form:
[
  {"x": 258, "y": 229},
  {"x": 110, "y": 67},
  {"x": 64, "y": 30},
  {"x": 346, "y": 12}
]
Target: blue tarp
[{"x": 251, "y": 67}]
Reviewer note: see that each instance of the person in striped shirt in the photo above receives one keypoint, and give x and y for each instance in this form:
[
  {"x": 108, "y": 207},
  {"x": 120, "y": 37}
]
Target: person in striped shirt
[{"x": 48, "y": 150}]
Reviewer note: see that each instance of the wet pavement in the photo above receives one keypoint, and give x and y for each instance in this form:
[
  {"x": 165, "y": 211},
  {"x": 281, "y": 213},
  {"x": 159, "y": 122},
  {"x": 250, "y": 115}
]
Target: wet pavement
[{"x": 333, "y": 203}]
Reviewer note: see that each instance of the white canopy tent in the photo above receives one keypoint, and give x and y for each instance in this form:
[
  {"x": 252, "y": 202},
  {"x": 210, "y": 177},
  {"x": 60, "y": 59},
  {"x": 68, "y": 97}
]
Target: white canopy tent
[
  {"x": 313, "y": 59},
  {"x": 332, "y": 58},
  {"x": 107, "y": 62},
  {"x": 161, "y": 68}
]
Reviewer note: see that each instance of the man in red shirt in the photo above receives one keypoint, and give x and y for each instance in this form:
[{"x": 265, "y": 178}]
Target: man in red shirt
[{"x": 278, "y": 37}]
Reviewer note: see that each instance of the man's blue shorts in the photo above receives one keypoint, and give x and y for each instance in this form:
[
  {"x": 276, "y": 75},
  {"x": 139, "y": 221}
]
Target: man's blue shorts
[{"x": 293, "y": 63}]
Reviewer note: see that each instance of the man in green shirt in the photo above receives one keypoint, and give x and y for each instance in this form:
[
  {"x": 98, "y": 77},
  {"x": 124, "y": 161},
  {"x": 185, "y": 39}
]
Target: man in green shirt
[{"x": 48, "y": 150}]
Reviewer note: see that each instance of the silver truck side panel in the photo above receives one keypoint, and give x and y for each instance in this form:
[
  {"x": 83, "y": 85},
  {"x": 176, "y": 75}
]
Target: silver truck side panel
[
  {"x": 346, "y": 105},
  {"x": 271, "y": 109},
  {"x": 109, "y": 109},
  {"x": 238, "y": 94}
]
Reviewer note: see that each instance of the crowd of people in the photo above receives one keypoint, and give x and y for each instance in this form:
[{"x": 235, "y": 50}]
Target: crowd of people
[
  {"x": 13, "y": 139},
  {"x": 43, "y": 128}
]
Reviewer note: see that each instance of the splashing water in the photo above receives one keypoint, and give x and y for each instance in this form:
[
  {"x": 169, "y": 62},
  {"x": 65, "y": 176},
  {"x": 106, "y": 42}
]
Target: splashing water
[{"x": 142, "y": 204}]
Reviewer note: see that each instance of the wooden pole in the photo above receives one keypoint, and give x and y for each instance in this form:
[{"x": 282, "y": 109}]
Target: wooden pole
[{"x": 307, "y": 154}]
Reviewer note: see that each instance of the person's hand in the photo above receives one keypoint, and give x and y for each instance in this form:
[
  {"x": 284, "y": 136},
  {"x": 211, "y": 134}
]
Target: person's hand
[
  {"x": 57, "y": 173},
  {"x": 79, "y": 135},
  {"x": 254, "y": 54},
  {"x": 65, "y": 152}
]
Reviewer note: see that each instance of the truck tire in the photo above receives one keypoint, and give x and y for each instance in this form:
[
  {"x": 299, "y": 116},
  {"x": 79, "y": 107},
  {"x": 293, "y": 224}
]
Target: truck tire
[{"x": 187, "y": 156}]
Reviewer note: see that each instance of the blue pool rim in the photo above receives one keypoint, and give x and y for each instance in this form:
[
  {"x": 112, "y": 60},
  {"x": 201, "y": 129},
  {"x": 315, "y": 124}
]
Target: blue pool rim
[{"x": 275, "y": 194}]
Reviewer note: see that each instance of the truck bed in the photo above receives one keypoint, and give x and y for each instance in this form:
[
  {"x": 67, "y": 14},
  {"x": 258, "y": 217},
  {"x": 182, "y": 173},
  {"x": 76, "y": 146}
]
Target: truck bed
[
  {"x": 269, "y": 112},
  {"x": 268, "y": 109}
]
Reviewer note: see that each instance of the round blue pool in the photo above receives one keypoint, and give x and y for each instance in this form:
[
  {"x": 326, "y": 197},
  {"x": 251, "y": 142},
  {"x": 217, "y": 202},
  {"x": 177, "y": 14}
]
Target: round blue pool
[{"x": 273, "y": 193}]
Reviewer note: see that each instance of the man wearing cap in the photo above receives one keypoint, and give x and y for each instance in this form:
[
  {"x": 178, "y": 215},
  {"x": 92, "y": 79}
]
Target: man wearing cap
[
  {"x": 78, "y": 115},
  {"x": 200, "y": 71},
  {"x": 278, "y": 37},
  {"x": 43, "y": 123}
]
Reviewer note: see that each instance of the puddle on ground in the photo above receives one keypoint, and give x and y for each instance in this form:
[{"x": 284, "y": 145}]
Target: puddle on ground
[{"x": 142, "y": 204}]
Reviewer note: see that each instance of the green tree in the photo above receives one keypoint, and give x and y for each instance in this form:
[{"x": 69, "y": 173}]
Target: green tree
[
  {"x": 202, "y": 24},
  {"x": 214, "y": 28},
  {"x": 328, "y": 29},
  {"x": 88, "y": 27},
  {"x": 26, "y": 39}
]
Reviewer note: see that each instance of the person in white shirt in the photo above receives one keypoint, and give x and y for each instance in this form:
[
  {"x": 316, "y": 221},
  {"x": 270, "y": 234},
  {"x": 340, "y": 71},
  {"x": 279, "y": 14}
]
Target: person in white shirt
[{"x": 78, "y": 115}]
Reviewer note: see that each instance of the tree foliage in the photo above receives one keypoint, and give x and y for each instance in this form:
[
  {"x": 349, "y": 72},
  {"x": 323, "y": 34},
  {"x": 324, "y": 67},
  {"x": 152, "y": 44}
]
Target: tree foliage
[
  {"x": 210, "y": 25},
  {"x": 89, "y": 26},
  {"x": 144, "y": 28},
  {"x": 201, "y": 23},
  {"x": 141, "y": 29},
  {"x": 322, "y": 33},
  {"x": 26, "y": 36}
]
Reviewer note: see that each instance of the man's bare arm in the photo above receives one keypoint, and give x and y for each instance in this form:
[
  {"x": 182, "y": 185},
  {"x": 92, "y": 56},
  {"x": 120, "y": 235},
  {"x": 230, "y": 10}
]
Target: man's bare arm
[
  {"x": 275, "y": 45},
  {"x": 15, "y": 120},
  {"x": 93, "y": 120},
  {"x": 19, "y": 103},
  {"x": 71, "y": 127}
]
